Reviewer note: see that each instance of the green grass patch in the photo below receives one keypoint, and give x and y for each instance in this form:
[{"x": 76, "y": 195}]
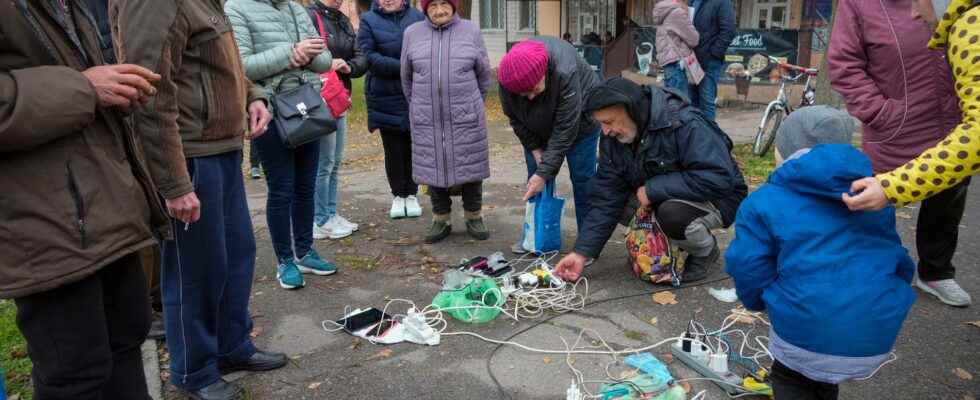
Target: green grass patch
[
  {"x": 14, "y": 362},
  {"x": 755, "y": 169}
]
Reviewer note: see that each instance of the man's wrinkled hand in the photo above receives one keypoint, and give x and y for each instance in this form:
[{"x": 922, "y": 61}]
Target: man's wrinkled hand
[
  {"x": 534, "y": 186},
  {"x": 186, "y": 208},
  {"x": 259, "y": 117},
  {"x": 641, "y": 195},
  {"x": 122, "y": 85},
  {"x": 570, "y": 268}
]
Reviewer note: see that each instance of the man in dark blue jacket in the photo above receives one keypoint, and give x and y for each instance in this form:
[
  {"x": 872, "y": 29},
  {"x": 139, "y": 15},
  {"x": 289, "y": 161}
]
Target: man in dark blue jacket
[
  {"x": 715, "y": 22},
  {"x": 659, "y": 152}
]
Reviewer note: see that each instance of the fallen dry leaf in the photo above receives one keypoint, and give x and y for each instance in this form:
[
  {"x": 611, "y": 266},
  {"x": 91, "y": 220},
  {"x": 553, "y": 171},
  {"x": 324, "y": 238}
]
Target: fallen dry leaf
[
  {"x": 965, "y": 397},
  {"x": 960, "y": 372},
  {"x": 903, "y": 215},
  {"x": 974, "y": 323},
  {"x": 653, "y": 321},
  {"x": 686, "y": 386},
  {"x": 665, "y": 298},
  {"x": 630, "y": 373},
  {"x": 355, "y": 344},
  {"x": 314, "y": 385},
  {"x": 547, "y": 360},
  {"x": 386, "y": 353}
]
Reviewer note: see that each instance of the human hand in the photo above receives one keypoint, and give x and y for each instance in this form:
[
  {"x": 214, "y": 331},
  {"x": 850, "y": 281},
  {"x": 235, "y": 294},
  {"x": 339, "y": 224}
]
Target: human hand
[
  {"x": 641, "y": 195},
  {"x": 340, "y": 65},
  {"x": 870, "y": 195},
  {"x": 538, "y": 155},
  {"x": 298, "y": 59},
  {"x": 311, "y": 47},
  {"x": 186, "y": 208},
  {"x": 259, "y": 117},
  {"x": 122, "y": 85},
  {"x": 534, "y": 186},
  {"x": 570, "y": 268}
]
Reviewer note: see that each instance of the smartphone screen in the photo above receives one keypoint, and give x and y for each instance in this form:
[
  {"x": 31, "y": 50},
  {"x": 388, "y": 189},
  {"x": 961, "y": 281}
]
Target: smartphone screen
[{"x": 364, "y": 319}]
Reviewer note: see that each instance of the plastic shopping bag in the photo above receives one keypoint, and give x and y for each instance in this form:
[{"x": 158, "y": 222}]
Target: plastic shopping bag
[
  {"x": 542, "y": 221},
  {"x": 649, "y": 250}
]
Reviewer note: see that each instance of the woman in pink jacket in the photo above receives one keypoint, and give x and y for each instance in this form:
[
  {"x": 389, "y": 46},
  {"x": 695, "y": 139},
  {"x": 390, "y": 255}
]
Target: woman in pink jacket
[
  {"x": 903, "y": 94},
  {"x": 676, "y": 37}
]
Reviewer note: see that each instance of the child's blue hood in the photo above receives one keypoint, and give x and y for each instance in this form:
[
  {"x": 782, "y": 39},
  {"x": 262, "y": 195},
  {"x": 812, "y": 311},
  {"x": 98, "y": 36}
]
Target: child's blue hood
[{"x": 826, "y": 170}]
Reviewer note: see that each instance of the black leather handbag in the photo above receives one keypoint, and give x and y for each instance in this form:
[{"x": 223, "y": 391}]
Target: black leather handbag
[{"x": 301, "y": 114}]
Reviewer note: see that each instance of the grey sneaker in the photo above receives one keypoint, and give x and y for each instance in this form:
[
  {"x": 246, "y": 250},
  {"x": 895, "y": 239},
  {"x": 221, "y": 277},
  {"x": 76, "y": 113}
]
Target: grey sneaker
[{"x": 946, "y": 290}]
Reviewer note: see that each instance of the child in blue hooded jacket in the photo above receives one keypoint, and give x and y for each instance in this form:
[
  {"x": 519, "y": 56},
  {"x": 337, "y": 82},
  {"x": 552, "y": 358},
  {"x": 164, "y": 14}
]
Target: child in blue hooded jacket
[{"x": 834, "y": 282}]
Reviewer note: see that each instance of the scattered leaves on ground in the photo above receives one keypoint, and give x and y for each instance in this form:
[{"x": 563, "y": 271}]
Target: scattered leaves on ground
[
  {"x": 547, "y": 360},
  {"x": 635, "y": 335},
  {"x": 686, "y": 386},
  {"x": 653, "y": 321},
  {"x": 383, "y": 354},
  {"x": 356, "y": 344},
  {"x": 962, "y": 374},
  {"x": 974, "y": 323},
  {"x": 665, "y": 298},
  {"x": 314, "y": 385}
]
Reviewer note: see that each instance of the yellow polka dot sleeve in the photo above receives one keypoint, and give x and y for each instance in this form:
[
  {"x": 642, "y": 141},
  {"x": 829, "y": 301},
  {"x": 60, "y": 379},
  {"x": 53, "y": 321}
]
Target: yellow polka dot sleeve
[{"x": 958, "y": 156}]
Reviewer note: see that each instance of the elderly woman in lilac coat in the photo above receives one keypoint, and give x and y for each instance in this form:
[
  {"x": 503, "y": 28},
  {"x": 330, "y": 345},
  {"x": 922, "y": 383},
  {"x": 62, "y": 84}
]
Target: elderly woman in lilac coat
[{"x": 445, "y": 75}]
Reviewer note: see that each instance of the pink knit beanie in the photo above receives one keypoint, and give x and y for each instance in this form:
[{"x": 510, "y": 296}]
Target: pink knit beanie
[{"x": 523, "y": 66}]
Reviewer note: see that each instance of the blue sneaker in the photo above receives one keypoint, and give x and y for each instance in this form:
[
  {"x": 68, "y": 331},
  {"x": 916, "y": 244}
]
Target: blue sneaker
[
  {"x": 288, "y": 275},
  {"x": 313, "y": 264}
]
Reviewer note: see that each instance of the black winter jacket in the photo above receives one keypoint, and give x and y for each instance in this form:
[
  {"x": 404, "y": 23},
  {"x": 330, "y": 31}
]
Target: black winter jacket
[
  {"x": 554, "y": 121},
  {"x": 715, "y": 22},
  {"x": 341, "y": 40},
  {"x": 680, "y": 155}
]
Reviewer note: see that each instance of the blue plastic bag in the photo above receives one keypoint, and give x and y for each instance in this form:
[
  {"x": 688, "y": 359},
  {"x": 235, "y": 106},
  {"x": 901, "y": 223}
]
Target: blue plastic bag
[{"x": 542, "y": 221}]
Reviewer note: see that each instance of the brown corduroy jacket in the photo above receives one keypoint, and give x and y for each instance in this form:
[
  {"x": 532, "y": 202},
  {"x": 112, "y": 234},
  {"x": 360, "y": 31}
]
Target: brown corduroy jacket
[
  {"x": 201, "y": 105},
  {"x": 75, "y": 194}
]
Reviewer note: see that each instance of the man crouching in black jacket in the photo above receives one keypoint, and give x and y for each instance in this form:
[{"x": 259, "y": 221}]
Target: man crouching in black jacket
[{"x": 658, "y": 151}]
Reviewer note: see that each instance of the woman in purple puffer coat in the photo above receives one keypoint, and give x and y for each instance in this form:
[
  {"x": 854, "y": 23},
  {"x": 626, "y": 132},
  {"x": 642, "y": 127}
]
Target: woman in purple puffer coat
[{"x": 445, "y": 76}]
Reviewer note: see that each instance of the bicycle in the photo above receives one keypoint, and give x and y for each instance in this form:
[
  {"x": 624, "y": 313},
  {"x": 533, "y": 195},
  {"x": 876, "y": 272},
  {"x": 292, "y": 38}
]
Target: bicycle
[{"x": 780, "y": 108}]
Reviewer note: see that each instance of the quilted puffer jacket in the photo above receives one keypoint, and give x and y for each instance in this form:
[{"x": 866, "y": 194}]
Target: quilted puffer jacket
[{"x": 266, "y": 31}]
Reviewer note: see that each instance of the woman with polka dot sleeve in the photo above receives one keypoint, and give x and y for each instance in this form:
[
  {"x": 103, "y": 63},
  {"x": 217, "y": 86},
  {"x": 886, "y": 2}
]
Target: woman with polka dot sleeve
[{"x": 953, "y": 160}]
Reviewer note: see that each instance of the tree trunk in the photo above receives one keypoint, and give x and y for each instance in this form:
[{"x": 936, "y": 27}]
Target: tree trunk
[{"x": 826, "y": 94}]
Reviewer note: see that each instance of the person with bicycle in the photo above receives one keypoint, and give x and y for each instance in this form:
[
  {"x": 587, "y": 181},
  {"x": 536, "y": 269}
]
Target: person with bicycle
[
  {"x": 903, "y": 93},
  {"x": 658, "y": 152}
]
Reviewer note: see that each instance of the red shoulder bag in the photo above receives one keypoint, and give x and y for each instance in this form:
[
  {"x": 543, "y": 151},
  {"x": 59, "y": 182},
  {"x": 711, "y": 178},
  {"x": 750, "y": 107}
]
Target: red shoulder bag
[{"x": 334, "y": 92}]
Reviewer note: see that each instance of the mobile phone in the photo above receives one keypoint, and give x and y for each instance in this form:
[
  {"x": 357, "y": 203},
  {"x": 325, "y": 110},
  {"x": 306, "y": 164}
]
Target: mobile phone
[
  {"x": 382, "y": 328},
  {"x": 363, "y": 319}
]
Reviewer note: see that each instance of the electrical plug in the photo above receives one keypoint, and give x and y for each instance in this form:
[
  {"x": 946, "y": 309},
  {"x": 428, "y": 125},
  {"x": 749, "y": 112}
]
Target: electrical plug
[{"x": 573, "y": 393}]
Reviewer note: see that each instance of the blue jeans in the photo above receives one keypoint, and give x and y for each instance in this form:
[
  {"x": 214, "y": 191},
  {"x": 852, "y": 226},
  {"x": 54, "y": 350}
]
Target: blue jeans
[
  {"x": 206, "y": 278},
  {"x": 581, "y": 168},
  {"x": 331, "y": 156},
  {"x": 291, "y": 178},
  {"x": 705, "y": 94},
  {"x": 676, "y": 78}
]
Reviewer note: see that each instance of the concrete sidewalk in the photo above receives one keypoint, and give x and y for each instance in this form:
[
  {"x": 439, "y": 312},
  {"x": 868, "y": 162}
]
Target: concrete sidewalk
[{"x": 386, "y": 260}]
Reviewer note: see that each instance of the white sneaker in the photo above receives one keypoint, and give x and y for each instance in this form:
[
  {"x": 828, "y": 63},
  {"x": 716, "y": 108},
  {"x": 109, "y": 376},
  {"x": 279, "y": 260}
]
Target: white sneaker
[
  {"x": 320, "y": 232},
  {"x": 412, "y": 207},
  {"x": 397, "y": 208},
  {"x": 337, "y": 230},
  {"x": 344, "y": 222},
  {"x": 946, "y": 290}
]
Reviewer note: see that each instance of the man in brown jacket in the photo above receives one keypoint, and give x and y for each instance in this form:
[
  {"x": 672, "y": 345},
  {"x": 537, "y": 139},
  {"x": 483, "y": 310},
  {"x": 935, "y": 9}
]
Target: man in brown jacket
[
  {"x": 78, "y": 203},
  {"x": 192, "y": 132}
]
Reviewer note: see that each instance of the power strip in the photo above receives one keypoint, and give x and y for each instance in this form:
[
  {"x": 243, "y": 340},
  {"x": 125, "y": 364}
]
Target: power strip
[{"x": 727, "y": 381}]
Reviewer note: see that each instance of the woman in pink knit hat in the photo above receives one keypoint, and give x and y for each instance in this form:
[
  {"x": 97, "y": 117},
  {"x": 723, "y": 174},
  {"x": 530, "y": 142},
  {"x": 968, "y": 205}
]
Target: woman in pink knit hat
[{"x": 543, "y": 83}]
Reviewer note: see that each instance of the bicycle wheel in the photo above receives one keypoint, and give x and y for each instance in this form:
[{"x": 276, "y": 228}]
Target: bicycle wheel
[{"x": 767, "y": 131}]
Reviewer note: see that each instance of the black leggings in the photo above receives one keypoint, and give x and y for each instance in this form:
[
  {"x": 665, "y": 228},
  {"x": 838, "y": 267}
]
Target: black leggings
[{"x": 398, "y": 162}]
